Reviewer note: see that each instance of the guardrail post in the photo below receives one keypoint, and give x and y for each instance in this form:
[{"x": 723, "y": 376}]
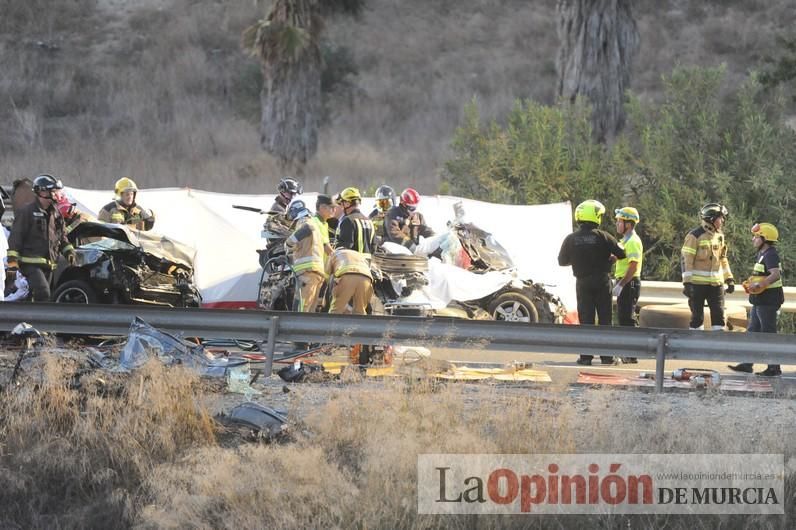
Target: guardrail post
[
  {"x": 273, "y": 328},
  {"x": 660, "y": 359}
]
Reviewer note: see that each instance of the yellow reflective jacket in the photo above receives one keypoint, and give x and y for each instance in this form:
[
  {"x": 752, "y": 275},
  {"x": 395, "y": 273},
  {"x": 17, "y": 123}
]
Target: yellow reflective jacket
[
  {"x": 306, "y": 244},
  {"x": 704, "y": 257},
  {"x": 347, "y": 261}
]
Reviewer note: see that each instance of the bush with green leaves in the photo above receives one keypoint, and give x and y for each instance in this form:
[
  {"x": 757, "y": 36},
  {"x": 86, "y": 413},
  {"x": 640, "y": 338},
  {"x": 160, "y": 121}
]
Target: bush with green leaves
[{"x": 703, "y": 142}]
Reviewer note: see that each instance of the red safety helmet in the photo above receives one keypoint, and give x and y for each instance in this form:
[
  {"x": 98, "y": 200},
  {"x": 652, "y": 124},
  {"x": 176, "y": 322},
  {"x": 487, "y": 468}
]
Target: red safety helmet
[
  {"x": 410, "y": 197},
  {"x": 66, "y": 208}
]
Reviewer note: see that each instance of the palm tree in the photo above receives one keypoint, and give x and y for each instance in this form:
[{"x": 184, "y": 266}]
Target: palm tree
[
  {"x": 287, "y": 43},
  {"x": 599, "y": 39}
]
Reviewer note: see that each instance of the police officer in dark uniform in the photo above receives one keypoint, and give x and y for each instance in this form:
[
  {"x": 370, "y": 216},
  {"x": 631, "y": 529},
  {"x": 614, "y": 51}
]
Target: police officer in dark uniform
[
  {"x": 37, "y": 236},
  {"x": 589, "y": 251}
]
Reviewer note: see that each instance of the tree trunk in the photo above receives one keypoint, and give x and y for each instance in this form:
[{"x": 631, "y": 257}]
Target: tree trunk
[
  {"x": 599, "y": 39},
  {"x": 290, "y": 103}
]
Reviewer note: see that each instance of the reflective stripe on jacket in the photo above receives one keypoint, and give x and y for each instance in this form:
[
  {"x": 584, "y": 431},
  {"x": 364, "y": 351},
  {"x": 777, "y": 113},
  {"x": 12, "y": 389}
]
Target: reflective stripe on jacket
[
  {"x": 116, "y": 212},
  {"x": 307, "y": 246},
  {"x": 704, "y": 257},
  {"x": 37, "y": 236},
  {"x": 347, "y": 261}
]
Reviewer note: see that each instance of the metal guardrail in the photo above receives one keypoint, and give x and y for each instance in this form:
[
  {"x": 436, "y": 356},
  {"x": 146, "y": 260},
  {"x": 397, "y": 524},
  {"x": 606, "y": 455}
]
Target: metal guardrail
[
  {"x": 268, "y": 327},
  {"x": 672, "y": 293}
]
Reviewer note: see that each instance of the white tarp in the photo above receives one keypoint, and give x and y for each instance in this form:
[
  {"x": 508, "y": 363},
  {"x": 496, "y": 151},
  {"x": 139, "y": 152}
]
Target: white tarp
[{"x": 226, "y": 239}]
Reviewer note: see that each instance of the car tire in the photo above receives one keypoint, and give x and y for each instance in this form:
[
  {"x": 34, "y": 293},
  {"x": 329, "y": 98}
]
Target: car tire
[
  {"x": 513, "y": 306},
  {"x": 75, "y": 292}
]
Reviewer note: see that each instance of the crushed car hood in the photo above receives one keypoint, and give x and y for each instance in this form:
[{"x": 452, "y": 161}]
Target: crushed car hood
[
  {"x": 155, "y": 244},
  {"x": 484, "y": 250}
]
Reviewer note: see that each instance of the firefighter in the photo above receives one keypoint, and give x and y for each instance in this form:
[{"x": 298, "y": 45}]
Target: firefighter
[
  {"x": 403, "y": 224},
  {"x": 627, "y": 274},
  {"x": 706, "y": 268},
  {"x": 589, "y": 249},
  {"x": 355, "y": 230},
  {"x": 306, "y": 246},
  {"x": 325, "y": 208},
  {"x": 286, "y": 191},
  {"x": 37, "y": 236},
  {"x": 124, "y": 210},
  {"x": 385, "y": 199},
  {"x": 353, "y": 282},
  {"x": 765, "y": 290}
]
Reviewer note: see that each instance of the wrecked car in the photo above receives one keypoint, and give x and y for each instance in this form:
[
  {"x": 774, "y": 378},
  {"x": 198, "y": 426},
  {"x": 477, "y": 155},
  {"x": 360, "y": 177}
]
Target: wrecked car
[
  {"x": 464, "y": 273},
  {"x": 118, "y": 265}
]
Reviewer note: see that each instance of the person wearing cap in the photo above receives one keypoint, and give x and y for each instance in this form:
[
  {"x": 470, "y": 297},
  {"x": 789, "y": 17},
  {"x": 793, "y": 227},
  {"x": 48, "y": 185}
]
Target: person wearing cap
[
  {"x": 588, "y": 250},
  {"x": 38, "y": 235},
  {"x": 764, "y": 287},
  {"x": 325, "y": 207},
  {"x": 124, "y": 210},
  {"x": 355, "y": 230},
  {"x": 403, "y": 224},
  {"x": 627, "y": 273},
  {"x": 308, "y": 257}
]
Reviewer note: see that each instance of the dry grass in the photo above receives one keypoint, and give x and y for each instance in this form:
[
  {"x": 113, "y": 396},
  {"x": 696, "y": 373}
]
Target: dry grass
[
  {"x": 159, "y": 89},
  {"x": 140, "y": 451},
  {"x": 75, "y": 457}
]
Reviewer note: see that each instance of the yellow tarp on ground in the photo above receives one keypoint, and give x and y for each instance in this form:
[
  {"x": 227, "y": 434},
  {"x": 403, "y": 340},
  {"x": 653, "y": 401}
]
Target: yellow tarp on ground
[{"x": 455, "y": 373}]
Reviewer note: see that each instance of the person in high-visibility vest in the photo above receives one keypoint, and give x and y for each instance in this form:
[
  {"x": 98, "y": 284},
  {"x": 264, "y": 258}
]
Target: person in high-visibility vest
[
  {"x": 353, "y": 282},
  {"x": 765, "y": 290},
  {"x": 705, "y": 267},
  {"x": 627, "y": 274},
  {"x": 308, "y": 258}
]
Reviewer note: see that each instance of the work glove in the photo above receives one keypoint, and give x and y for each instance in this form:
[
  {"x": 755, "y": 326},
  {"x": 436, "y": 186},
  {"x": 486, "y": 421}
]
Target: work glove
[
  {"x": 730, "y": 286},
  {"x": 688, "y": 290},
  {"x": 71, "y": 257},
  {"x": 617, "y": 289}
]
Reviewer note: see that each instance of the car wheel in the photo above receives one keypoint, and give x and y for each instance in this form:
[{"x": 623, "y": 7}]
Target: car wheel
[
  {"x": 75, "y": 292},
  {"x": 513, "y": 307}
]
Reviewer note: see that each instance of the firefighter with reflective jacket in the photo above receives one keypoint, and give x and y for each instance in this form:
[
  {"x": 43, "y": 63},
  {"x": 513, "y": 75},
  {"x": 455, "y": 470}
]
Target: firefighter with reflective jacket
[
  {"x": 355, "y": 230},
  {"x": 324, "y": 210},
  {"x": 385, "y": 199},
  {"x": 403, "y": 224},
  {"x": 706, "y": 268},
  {"x": 589, "y": 249},
  {"x": 37, "y": 236},
  {"x": 353, "y": 282},
  {"x": 627, "y": 273},
  {"x": 123, "y": 209},
  {"x": 764, "y": 287},
  {"x": 306, "y": 246},
  {"x": 287, "y": 190}
]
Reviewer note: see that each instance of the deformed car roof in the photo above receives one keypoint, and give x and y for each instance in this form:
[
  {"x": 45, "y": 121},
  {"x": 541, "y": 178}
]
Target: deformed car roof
[{"x": 152, "y": 243}]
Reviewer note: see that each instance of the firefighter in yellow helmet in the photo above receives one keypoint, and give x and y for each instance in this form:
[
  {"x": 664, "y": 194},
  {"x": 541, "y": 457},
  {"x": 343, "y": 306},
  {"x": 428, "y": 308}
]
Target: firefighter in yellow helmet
[
  {"x": 706, "y": 268},
  {"x": 355, "y": 230},
  {"x": 765, "y": 289},
  {"x": 589, "y": 249},
  {"x": 124, "y": 210},
  {"x": 627, "y": 273}
]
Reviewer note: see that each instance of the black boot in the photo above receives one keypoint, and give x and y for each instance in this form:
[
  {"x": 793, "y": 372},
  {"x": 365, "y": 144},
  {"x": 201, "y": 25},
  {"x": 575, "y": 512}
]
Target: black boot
[
  {"x": 741, "y": 367},
  {"x": 772, "y": 370},
  {"x": 585, "y": 360},
  {"x": 606, "y": 359}
]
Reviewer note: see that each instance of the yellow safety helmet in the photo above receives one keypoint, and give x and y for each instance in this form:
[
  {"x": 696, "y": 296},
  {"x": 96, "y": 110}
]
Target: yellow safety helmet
[
  {"x": 590, "y": 211},
  {"x": 350, "y": 195},
  {"x": 627, "y": 213},
  {"x": 767, "y": 231},
  {"x": 124, "y": 184}
]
